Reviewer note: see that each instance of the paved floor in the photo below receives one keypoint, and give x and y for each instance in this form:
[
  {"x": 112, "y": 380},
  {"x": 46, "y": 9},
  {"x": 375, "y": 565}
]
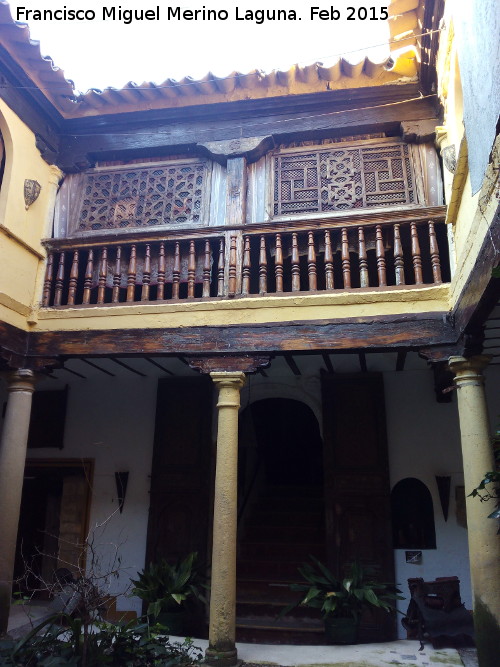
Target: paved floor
[{"x": 402, "y": 652}]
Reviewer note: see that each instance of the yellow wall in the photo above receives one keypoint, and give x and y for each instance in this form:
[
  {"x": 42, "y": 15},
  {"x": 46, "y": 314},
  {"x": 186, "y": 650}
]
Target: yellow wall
[
  {"x": 21, "y": 230},
  {"x": 468, "y": 215}
]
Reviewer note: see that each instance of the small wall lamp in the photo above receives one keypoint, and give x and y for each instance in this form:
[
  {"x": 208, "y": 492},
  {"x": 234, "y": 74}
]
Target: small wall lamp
[{"x": 31, "y": 191}]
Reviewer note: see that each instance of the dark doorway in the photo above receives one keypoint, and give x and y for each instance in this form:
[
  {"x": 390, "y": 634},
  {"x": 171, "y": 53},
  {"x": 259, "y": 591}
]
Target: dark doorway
[
  {"x": 281, "y": 519},
  {"x": 53, "y": 522}
]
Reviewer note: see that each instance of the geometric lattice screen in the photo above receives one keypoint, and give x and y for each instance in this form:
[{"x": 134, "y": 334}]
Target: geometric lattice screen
[
  {"x": 143, "y": 196},
  {"x": 337, "y": 178}
]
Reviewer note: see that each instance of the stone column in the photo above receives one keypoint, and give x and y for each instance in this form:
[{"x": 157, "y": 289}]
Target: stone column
[
  {"x": 222, "y": 649},
  {"x": 484, "y": 543},
  {"x": 21, "y": 385}
]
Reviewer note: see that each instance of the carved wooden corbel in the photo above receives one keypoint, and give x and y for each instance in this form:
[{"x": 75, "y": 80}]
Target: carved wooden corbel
[{"x": 246, "y": 363}]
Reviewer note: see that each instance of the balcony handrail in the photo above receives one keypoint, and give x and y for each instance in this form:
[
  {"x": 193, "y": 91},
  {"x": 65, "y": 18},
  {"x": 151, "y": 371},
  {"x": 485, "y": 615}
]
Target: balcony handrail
[{"x": 143, "y": 235}]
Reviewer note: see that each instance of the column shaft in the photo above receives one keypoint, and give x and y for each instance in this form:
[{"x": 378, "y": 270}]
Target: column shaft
[
  {"x": 12, "y": 461},
  {"x": 484, "y": 543},
  {"x": 222, "y": 650}
]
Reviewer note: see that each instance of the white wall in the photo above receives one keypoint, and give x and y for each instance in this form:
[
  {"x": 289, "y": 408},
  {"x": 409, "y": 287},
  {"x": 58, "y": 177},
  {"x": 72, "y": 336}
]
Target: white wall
[{"x": 111, "y": 420}]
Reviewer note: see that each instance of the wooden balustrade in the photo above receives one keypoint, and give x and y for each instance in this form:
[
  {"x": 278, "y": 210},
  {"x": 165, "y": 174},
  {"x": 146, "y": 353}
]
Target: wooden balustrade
[{"x": 247, "y": 262}]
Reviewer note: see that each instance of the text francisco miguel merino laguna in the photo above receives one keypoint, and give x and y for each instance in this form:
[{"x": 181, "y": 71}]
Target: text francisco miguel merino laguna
[{"x": 258, "y": 16}]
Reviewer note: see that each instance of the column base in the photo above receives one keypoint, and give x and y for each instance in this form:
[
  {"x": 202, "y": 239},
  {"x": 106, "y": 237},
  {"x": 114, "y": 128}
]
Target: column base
[{"x": 228, "y": 658}]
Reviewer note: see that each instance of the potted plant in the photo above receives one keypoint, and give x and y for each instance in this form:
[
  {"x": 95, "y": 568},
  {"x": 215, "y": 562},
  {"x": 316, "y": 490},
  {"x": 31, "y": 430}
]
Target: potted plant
[
  {"x": 342, "y": 601},
  {"x": 167, "y": 589}
]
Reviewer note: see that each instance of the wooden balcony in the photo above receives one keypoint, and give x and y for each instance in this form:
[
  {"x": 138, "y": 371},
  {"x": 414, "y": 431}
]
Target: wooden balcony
[{"x": 281, "y": 259}]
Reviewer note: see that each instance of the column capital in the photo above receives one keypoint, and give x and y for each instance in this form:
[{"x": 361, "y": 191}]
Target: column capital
[
  {"x": 234, "y": 379},
  {"x": 468, "y": 369},
  {"x": 22, "y": 379}
]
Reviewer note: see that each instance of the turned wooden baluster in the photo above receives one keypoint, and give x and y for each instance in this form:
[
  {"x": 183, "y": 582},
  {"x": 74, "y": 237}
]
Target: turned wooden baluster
[
  {"x": 176, "y": 271},
  {"x": 132, "y": 274},
  {"x": 47, "y": 283},
  {"x": 117, "y": 276},
  {"x": 146, "y": 274},
  {"x": 87, "y": 281},
  {"x": 162, "y": 268},
  {"x": 311, "y": 262},
  {"x": 246, "y": 267},
  {"x": 220, "y": 270},
  {"x": 103, "y": 271},
  {"x": 232, "y": 267},
  {"x": 206, "y": 270},
  {"x": 73, "y": 279},
  {"x": 328, "y": 261},
  {"x": 262, "y": 266},
  {"x": 434, "y": 248},
  {"x": 346, "y": 260},
  {"x": 415, "y": 253},
  {"x": 295, "y": 264},
  {"x": 59, "y": 281},
  {"x": 380, "y": 251},
  {"x": 364, "y": 280},
  {"x": 191, "y": 269},
  {"x": 278, "y": 264},
  {"x": 399, "y": 263}
]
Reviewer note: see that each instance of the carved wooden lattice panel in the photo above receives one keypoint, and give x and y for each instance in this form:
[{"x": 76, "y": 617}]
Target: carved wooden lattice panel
[
  {"x": 144, "y": 196},
  {"x": 342, "y": 177}
]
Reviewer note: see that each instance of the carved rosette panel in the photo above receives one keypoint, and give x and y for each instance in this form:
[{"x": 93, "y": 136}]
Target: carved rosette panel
[
  {"x": 144, "y": 196},
  {"x": 341, "y": 178}
]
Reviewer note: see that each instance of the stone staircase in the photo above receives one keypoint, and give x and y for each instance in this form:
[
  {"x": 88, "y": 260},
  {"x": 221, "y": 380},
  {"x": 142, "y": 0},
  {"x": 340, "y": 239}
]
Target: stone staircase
[{"x": 282, "y": 528}]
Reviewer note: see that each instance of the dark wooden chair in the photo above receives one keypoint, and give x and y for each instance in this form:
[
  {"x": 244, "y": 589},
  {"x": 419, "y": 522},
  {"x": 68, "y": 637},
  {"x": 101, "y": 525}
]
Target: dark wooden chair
[{"x": 437, "y": 613}]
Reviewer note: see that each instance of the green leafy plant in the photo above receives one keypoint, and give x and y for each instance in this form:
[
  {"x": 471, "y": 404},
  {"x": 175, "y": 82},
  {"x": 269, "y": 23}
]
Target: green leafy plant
[
  {"x": 485, "y": 491},
  {"x": 166, "y": 587},
  {"x": 58, "y": 642},
  {"x": 343, "y": 598}
]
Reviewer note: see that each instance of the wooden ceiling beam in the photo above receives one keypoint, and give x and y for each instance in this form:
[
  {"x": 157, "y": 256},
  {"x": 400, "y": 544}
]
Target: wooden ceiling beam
[
  {"x": 99, "y": 368},
  {"x": 129, "y": 368}
]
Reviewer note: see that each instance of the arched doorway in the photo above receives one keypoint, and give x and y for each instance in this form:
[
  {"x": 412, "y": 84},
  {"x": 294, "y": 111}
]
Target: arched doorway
[{"x": 281, "y": 516}]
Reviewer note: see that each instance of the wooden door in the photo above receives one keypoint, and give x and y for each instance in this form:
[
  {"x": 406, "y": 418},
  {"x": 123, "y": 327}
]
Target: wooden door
[
  {"x": 357, "y": 491},
  {"x": 181, "y": 471}
]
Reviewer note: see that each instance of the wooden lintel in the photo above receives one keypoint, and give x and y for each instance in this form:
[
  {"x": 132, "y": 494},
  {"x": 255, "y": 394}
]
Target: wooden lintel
[
  {"x": 369, "y": 334},
  {"x": 85, "y": 144},
  {"x": 229, "y": 363},
  {"x": 401, "y": 360},
  {"x": 292, "y": 364}
]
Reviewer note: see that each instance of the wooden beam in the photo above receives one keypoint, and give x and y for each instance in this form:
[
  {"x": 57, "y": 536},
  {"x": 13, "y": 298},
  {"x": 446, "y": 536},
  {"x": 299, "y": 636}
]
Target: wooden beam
[
  {"x": 292, "y": 364},
  {"x": 362, "y": 362},
  {"x": 155, "y": 363},
  {"x": 328, "y": 363},
  {"x": 401, "y": 360},
  {"x": 99, "y": 368},
  {"x": 106, "y": 139},
  {"x": 69, "y": 370},
  {"x": 481, "y": 292},
  {"x": 129, "y": 368},
  {"x": 386, "y": 332}
]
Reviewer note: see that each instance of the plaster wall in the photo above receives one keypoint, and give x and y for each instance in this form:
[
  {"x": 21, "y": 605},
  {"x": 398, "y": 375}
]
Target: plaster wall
[
  {"x": 111, "y": 420},
  {"x": 21, "y": 253}
]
